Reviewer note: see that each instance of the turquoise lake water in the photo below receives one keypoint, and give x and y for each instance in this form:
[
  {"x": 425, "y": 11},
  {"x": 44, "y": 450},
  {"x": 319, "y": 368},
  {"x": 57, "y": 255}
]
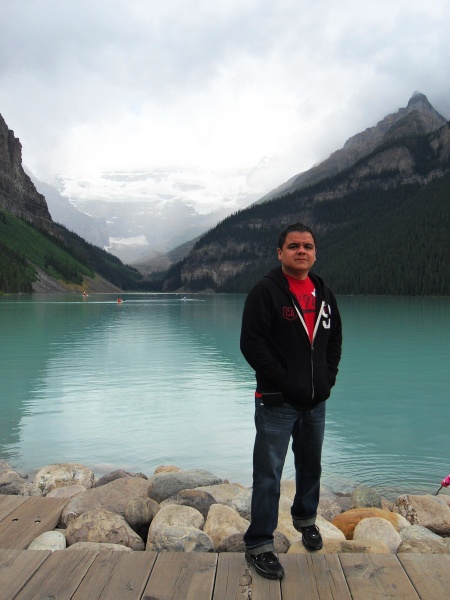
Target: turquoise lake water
[{"x": 160, "y": 380}]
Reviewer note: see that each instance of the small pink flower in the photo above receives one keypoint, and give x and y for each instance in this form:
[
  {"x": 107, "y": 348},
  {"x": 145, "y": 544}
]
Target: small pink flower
[{"x": 444, "y": 483}]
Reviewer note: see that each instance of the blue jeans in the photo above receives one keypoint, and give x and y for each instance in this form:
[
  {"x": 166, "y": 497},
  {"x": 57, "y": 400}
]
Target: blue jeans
[{"x": 274, "y": 427}]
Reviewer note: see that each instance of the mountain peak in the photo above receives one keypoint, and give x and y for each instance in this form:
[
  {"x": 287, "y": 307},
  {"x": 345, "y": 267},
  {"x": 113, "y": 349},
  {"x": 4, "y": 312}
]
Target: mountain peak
[
  {"x": 421, "y": 112},
  {"x": 418, "y": 117},
  {"x": 419, "y": 100}
]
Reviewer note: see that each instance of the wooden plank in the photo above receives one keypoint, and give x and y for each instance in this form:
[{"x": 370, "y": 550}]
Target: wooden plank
[
  {"x": 233, "y": 578},
  {"x": 313, "y": 577},
  {"x": 30, "y": 519},
  {"x": 17, "y": 567},
  {"x": 10, "y": 503},
  {"x": 375, "y": 576},
  {"x": 182, "y": 576},
  {"x": 429, "y": 574},
  {"x": 262, "y": 588},
  {"x": 116, "y": 576},
  {"x": 59, "y": 576}
]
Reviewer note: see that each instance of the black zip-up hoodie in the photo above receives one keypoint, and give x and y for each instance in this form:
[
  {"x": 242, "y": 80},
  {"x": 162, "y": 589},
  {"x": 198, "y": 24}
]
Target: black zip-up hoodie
[{"x": 275, "y": 342}]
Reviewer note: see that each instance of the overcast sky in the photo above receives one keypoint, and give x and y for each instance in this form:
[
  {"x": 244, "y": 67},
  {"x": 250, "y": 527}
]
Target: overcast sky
[{"x": 264, "y": 88}]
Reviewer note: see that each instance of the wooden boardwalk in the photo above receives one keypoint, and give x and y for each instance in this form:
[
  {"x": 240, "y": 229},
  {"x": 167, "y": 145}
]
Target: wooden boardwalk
[{"x": 92, "y": 575}]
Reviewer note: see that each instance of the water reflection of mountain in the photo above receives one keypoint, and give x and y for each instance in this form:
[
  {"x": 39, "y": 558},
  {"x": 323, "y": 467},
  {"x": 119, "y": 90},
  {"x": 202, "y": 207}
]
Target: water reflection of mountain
[
  {"x": 34, "y": 330},
  {"x": 218, "y": 327}
]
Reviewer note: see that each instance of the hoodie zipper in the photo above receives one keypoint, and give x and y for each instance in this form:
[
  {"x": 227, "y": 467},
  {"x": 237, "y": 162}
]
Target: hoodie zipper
[{"x": 316, "y": 325}]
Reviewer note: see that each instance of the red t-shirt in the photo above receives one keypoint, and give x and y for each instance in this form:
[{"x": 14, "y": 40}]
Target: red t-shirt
[{"x": 305, "y": 292}]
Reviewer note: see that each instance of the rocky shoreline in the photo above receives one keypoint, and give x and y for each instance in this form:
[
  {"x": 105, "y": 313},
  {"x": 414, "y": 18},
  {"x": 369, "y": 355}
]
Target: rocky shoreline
[{"x": 196, "y": 511}]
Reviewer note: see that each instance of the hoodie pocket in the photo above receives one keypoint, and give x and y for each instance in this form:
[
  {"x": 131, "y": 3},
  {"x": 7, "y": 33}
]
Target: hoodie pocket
[{"x": 271, "y": 398}]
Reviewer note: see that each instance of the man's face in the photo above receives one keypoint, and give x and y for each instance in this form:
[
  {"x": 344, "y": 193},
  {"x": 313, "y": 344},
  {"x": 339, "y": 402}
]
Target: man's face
[{"x": 298, "y": 254}]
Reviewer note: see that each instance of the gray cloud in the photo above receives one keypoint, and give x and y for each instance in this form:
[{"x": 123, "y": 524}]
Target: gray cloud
[{"x": 223, "y": 85}]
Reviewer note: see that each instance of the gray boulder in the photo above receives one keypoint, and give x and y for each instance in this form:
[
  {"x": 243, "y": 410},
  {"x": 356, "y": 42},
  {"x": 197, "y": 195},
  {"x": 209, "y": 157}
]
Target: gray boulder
[
  {"x": 223, "y": 521},
  {"x": 98, "y": 546},
  {"x": 196, "y": 498},
  {"x": 103, "y": 526},
  {"x": 116, "y": 475},
  {"x": 112, "y": 496},
  {"x": 178, "y": 529},
  {"x": 425, "y": 546},
  {"x": 364, "y": 497},
  {"x": 328, "y": 508},
  {"x": 67, "y": 492},
  {"x": 13, "y": 483},
  {"x": 429, "y": 511},
  {"x": 139, "y": 513},
  {"x": 378, "y": 529},
  {"x": 418, "y": 532},
  {"x": 223, "y": 493},
  {"x": 50, "y": 540},
  {"x": 59, "y": 475},
  {"x": 243, "y": 504},
  {"x": 165, "y": 485},
  {"x": 166, "y": 469}
]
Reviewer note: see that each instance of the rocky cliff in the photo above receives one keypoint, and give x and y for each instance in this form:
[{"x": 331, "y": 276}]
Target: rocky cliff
[
  {"x": 38, "y": 254},
  {"x": 17, "y": 192},
  {"x": 419, "y": 117}
]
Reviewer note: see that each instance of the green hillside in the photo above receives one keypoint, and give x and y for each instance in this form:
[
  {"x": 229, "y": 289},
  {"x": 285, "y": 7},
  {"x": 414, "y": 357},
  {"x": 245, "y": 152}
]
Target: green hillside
[
  {"x": 392, "y": 242},
  {"x": 65, "y": 257}
]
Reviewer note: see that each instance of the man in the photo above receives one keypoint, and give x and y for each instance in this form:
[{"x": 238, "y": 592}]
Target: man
[{"x": 292, "y": 337}]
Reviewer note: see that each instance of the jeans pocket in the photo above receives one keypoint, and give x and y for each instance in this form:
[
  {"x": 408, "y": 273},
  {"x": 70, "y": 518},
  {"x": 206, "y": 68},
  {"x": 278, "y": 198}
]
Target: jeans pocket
[{"x": 271, "y": 398}]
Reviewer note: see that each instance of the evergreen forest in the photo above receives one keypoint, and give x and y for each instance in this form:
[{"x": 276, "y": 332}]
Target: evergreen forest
[{"x": 372, "y": 241}]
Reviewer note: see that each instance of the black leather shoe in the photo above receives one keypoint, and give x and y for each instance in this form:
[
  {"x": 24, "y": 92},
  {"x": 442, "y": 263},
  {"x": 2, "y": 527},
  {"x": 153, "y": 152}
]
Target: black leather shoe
[
  {"x": 266, "y": 564},
  {"x": 311, "y": 538}
]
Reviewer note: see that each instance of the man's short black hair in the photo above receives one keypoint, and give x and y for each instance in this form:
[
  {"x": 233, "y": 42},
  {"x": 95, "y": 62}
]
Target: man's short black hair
[{"x": 295, "y": 227}]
